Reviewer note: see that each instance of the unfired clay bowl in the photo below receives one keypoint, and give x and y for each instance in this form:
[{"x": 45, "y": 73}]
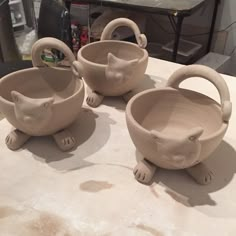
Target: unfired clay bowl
[
  {"x": 42, "y": 100},
  {"x": 110, "y": 67},
  {"x": 175, "y": 128}
]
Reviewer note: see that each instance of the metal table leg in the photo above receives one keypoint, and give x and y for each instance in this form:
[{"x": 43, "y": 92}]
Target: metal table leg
[
  {"x": 177, "y": 36},
  {"x": 217, "y": 2},
  {"x": 68, "y": 3}
]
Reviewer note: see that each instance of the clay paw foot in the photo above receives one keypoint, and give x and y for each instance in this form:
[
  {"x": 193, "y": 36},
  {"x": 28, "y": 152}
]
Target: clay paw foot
[
  {"x": 64, "y": 140},
  {"x": 16, "y": 139},
  {"x": 94, "y": 99},
  {"x": 201, "y": 174},
  {"x": 128, "y": 96},
  {"x": 144, "y": 171}
]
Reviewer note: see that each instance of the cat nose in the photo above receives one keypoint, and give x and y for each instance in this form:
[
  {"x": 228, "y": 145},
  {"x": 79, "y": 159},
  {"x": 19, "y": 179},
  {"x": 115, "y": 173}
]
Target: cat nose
[
  {"x": 27, "y": 119},
  {"x": 178, "y": 158},
  {"x": 119, "y": 76}
]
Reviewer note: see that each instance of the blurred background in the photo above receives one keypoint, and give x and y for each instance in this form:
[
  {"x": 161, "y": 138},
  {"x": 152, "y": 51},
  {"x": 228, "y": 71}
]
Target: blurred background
[{"x": 76, "y": 23}]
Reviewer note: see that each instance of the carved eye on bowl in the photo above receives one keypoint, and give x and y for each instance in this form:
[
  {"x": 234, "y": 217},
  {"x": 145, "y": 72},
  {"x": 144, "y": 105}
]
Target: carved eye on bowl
[{"x": 192, "y": 138}]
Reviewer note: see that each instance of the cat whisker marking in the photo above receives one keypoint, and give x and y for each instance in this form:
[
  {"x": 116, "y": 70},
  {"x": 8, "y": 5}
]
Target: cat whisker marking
[
  {"x": 209, "y": 176},
  {"x": 144, "y": 177}
]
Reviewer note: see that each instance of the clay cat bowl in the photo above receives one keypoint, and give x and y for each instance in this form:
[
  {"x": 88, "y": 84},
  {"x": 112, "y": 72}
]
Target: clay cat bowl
[
  {"x": 110, "y": 67},
  {"x": 176, "y": 128},
  {"x": 42, "y": 100}
]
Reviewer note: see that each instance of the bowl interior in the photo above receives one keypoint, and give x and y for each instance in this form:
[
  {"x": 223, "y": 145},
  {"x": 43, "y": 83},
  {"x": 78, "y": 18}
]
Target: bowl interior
[
  {"x": 41, "y": 83},
  {"x": 97, "y": 52},
  {"x": 175, "y": 111}
]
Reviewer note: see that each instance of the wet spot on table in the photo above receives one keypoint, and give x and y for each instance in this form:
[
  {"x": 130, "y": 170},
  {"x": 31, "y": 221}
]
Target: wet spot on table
[
  {"x": 95, "y": 186},
  {"x": 48, "y": 225},
  {"x": 149, "y": 229},
  {"x": 6, "y": 211}
]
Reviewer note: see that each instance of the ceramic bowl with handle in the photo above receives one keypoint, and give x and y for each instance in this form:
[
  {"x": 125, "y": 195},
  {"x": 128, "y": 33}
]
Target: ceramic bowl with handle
[
  {"x": 177, "y": 128},
  {"x": 112, "y": 67},
  {"x": 41, "y": 100}
]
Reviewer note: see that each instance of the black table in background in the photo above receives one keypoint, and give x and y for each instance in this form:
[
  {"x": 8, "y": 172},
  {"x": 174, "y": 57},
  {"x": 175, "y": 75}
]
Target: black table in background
[
  {"x": 176, "y": 10},
  {"x": 9, "y": 67}
]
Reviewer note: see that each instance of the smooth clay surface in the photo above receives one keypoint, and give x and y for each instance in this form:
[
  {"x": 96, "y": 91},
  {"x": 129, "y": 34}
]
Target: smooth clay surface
[{"x": 92, "y": 191}]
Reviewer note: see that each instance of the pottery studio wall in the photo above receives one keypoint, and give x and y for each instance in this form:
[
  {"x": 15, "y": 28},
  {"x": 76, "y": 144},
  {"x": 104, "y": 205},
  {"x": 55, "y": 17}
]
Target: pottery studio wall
[{"x": 226, "y": 16}]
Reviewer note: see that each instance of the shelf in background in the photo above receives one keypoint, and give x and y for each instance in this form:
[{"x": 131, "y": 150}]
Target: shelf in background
[
  {"x": 18, "y": 24},
  {"x": 17, "y": 9},
  {"x": 14, "y": 2}
]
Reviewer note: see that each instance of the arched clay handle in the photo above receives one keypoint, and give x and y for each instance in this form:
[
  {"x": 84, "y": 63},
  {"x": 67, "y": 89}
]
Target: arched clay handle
[
  {"x": 48, "y": 43},
  {"x": 209, "y": 74},
  {"x": 113, "y": 25}
]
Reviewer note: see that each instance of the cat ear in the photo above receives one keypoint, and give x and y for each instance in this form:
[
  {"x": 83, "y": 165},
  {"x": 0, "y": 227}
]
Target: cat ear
[
  {"x": 48, "y": 103},
  {"x": 111, "y": 59},
  {"x": 133, "y": 62},
  {"x": 16, "y": 97},
  {"x": 156, "y": 135},
  {"x": 195, "y": 133}
]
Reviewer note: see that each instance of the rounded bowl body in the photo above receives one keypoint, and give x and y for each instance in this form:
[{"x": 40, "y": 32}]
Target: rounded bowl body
[
  {"x": 160, "y": 122},
  {"x": 41, "y": 83},
  {"x": 94, "y": 61}
]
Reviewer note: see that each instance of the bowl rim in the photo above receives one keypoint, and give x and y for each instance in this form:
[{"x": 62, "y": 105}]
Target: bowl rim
[
  {"x": 81, "y": 58},
  {"x": 79, "y": 90},
  {"x": 130, "y": 118}
]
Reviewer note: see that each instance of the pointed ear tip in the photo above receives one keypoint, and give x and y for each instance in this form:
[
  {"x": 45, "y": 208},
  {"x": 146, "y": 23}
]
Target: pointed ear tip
[
  {"x": 110, "y": 55},
  {"x": 14, "y": 96},
  {"x": 154, "y": 134},
  {"x": 199, "y": 130},
  {"x": 196, "y": 133},
  {"x": 13, "y": 93},
  {"x": 51, "y": 100}
]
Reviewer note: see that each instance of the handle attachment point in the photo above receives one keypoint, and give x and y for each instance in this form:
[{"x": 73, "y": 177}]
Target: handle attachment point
[
  {"x": 226, "y": 110},
  {"x": 142, "y": 41},
  {"x": 77, "y": 69}
]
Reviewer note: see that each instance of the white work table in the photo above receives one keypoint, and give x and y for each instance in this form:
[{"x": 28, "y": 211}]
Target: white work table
[{"x": 92, "y": 190}]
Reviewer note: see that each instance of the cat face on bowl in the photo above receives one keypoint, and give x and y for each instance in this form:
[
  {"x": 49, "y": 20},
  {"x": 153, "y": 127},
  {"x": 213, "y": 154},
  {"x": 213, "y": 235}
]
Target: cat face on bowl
[
  {"x": 179, "y": 151},
  {"x": 32, "y": 114},
  {"x": 119, "y": 70}
]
